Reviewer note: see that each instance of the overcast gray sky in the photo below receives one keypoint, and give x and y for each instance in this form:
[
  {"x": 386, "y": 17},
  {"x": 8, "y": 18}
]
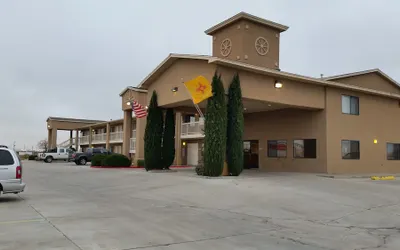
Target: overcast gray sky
[{"x": 71, "y": 58}]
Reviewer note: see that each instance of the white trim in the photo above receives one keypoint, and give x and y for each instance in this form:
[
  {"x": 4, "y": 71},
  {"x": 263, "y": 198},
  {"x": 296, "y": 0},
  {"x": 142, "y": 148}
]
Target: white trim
[
  {"x": 247, "y": 16},
  {"x": 364, "y": 72},
  {"x": 302, "y": 78},
  {"x": 173, "y": 56},
  {"x": 277, "y": 73},
  {"x": 134, "y": 89}
]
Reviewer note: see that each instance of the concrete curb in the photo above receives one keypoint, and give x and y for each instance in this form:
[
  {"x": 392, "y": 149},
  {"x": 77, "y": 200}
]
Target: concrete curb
[
  {"x": 163, "y": 171},
  {"x": 352, "y": 176},
  {"x": 113, "y": 167}
]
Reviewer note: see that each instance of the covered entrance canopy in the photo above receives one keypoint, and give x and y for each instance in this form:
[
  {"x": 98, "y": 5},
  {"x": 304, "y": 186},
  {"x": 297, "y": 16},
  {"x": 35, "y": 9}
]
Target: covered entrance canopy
[{"x": 61, "y": 123}]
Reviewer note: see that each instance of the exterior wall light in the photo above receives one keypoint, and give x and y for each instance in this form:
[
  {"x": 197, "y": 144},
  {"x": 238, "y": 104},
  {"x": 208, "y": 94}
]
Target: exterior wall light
[
  {"x": 174, "y": 89},
  {"x": 183, "y": 143},
  {"x": 375, "y": 141},
  {"x": 48, "y": 126},
  {"x": 128, "y": 103},
  {"x": 278, "y": 85},
  {"x": 147, "y": 107}
]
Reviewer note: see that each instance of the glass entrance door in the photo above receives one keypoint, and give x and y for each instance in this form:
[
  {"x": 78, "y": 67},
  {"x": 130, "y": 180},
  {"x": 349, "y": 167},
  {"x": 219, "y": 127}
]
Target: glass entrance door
[{"x": 250, "y": 154}]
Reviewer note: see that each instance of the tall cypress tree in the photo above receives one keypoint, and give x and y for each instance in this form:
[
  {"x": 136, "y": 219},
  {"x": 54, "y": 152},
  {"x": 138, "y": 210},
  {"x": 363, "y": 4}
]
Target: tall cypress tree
[
  {"x": 215, "y": 130},
  {"x": 153, "y": 135},
  {"x": 168, "y": 148},
  {"x": 235, "y": 128}
]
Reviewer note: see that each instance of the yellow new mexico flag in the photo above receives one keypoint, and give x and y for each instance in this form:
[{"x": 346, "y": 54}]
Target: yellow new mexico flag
[{"x": 199, "y": 89}]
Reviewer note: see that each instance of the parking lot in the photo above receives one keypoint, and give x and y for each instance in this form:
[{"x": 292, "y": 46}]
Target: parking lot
[{"x": 74, "y": 207}]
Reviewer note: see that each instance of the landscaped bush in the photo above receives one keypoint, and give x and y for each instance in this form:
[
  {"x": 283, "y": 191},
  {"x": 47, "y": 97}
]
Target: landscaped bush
[
  {"x": 98, "y": 159},
  {"x": 116, "y": 160},
  {"x": 235, "y": 128},
  {"x": 153, "y": 136},
  {"x": 199, "y": 169},
  {"x": 32, "y": 157},
  {"x": 24, "y": 157},
  {"x": 140, "y": 163},
  {"x": 215, "y": 129}
]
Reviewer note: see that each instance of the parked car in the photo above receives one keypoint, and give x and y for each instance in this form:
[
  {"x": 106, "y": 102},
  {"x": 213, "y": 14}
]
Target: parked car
[
  {"x": 83, "y": 158},
  {"x": 10, "y": 172},
  {"x": 54, "y": 154}
]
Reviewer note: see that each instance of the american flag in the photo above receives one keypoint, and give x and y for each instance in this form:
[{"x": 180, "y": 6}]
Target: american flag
[{"x": 138, "y": 109}]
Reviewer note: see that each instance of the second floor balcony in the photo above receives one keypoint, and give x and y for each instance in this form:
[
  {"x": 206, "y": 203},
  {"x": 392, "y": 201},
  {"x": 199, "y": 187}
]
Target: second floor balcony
[
  {"x": 116, "y": 136},
  {"x": 84, "y": 140},
  {"x": 192, "y": 130},
  {"x": 99, "y": 138}
]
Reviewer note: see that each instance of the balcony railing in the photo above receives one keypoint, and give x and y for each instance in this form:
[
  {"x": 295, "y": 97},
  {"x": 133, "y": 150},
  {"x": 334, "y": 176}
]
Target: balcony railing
[
  {"x": 99, "y": 138},
  {"x": 116, "y": 136},
  {"x": 134, "y": 133},
  {"x": 84, "y": 140},
  {"x": 132, "y": 142},
  {"x": 67, "y": 143},
  {"x": 132, "y": 145},
  {"x": 192, "y": 130}
]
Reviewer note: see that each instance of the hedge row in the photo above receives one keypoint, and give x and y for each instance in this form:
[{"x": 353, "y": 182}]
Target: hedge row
[{"x": 113, "y": 160}]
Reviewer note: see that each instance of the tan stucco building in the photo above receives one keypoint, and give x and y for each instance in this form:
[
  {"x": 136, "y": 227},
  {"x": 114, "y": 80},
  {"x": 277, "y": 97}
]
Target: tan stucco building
[{"x": 340, "y": 124}]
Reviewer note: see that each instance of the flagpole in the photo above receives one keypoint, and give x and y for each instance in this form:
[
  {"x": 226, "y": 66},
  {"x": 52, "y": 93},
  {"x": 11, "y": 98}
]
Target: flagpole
[{"x": 195, "y": 105}]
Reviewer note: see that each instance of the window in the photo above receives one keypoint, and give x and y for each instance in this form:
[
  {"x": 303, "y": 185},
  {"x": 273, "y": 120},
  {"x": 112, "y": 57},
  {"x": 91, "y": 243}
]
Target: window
[
  {"x": 6, "y": 158},
  {"x": 393, "y": 151},
  {"x": 350, "y": 105},
  {"x": 306, "y": 148},
  {"x": 277, "y": 149},
  {"x": 61, "y": 150},
  {"x": 350, "y": 149}
]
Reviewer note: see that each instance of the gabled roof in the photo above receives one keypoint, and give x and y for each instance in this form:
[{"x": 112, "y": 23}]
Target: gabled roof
[
  {"x": 260, "y": 70},
  {"x": 111, "y": 122},
  {"x": 166, "y": 64},
  {"x": 132, "y": 88},
  {"x": 64, "y": 119},
  {"x": 364, "y": 72},
  {"x": 246, "y": 16},
  {"x": 299, "y": 78}
]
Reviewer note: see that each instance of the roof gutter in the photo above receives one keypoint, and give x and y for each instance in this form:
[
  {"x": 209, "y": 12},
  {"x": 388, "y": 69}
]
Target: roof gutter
[{"x": 300, "y": 78}]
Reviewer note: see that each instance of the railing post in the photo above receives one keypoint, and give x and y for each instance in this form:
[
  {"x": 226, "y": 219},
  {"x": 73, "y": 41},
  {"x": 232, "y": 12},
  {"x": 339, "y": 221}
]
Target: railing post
[{"x": 108, "y": 136}]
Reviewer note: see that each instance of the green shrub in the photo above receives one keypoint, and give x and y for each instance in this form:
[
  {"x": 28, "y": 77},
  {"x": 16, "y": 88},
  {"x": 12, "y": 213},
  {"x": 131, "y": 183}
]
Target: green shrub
[
  {"x": 116, "y": 160},
  {"x": 199, "y": 170},
  {"x": 98, "y": 159},
  {"x": 153, "y": 135},
  {"x": 32, "y": 157},
  {"x": 215, "y": 130},
  {"x": 235, "y": 128},
  {"x": 168, "y": 147},
  {"x": 24, "y": 157},
  {"x": 140, "y": 163}
]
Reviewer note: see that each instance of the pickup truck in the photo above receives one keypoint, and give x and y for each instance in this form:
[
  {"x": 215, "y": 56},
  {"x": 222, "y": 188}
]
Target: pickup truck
[
  {"x": 83, "y": 158},
  {"x": 54, "y": 154}
]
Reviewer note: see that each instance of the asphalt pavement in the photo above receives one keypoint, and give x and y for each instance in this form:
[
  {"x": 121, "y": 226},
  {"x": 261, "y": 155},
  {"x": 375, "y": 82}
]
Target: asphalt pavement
[{"x": 74, "y": 207}]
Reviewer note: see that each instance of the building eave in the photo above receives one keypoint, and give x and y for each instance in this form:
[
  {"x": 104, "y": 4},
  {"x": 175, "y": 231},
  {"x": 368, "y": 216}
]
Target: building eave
[
  {"x": 246, "y": 16},
  {"x": 364, "y": 72},
  {"x": 165, "y": 64},
  {"x": 300, "y": 78},
  {"x": 101, "y": 124},
  {"x": 132, "y": 88},
  {"x": 64, "y": 119}
]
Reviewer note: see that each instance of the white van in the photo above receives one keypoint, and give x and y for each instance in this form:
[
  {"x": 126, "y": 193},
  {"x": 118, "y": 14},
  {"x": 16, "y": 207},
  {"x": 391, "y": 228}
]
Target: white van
[{"x": 10, "y": 172}]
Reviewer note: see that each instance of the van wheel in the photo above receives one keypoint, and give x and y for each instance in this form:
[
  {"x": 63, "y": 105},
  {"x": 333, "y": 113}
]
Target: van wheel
[
  {"x": 77, "y": 163},
  {"x": 82, "y": 161},
  {"x": 49, "y": 159}
]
